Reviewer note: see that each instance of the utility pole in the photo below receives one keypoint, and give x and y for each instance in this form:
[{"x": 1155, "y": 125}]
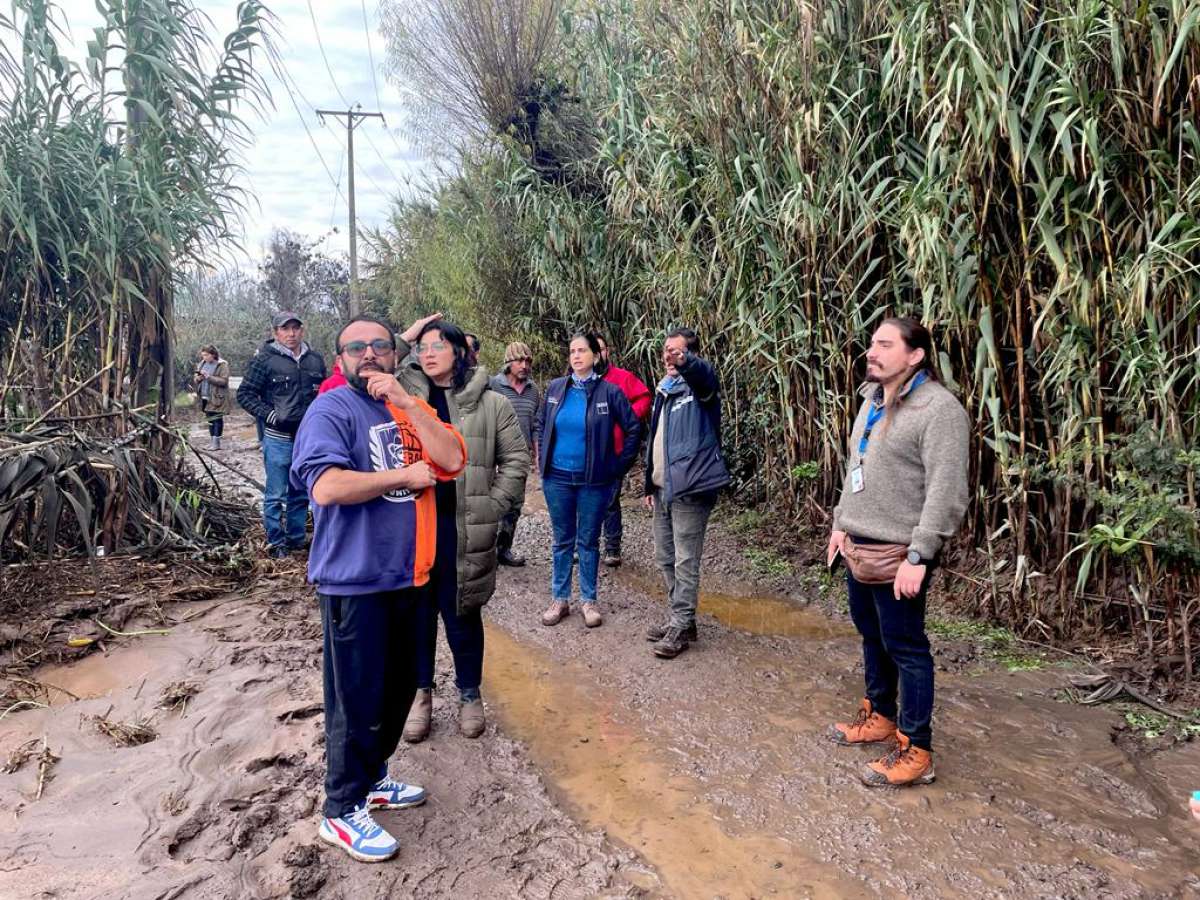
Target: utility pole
[{"x": 352, "y": 118}]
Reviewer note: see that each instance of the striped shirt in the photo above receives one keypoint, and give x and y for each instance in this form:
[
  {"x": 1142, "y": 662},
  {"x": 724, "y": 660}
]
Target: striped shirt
[{"x": 525, "y": 403}]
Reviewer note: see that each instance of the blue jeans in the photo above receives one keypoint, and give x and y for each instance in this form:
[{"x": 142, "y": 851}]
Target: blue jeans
[
  {"x": 896, "y": 656},
  {"x": 283, "y": 528},
  {"x": 576, "y": 513}
]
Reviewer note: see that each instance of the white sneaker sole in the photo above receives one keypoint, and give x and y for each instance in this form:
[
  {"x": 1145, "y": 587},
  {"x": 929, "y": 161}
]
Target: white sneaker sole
[
  {"x": 350, "y": 851},
  {"x": 407, "y": 804}
]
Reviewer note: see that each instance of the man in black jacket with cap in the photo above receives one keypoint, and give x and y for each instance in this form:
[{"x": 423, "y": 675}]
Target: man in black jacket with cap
[{"x": 278, "y": 387}]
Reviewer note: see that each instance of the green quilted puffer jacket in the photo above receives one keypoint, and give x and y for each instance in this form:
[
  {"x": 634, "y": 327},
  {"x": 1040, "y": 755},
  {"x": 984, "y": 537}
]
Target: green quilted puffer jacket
[{"x": 493, "y": 481}]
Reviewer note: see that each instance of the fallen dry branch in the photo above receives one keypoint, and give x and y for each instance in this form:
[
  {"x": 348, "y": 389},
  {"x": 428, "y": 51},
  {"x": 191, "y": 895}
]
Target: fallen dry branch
[
  {"x": 176, "y": 694},
  {"x": 19, "y": 756},
  {"x": 126, "y": 734},
  {"x": 46, "y": 761}
]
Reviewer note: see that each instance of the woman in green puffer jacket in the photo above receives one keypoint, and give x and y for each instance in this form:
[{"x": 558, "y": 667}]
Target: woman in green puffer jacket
[{"x": 439, "y": 370}]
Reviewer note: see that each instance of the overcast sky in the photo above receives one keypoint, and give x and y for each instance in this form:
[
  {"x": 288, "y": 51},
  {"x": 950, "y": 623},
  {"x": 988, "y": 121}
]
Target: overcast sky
[{"x": 294, "y": 188}]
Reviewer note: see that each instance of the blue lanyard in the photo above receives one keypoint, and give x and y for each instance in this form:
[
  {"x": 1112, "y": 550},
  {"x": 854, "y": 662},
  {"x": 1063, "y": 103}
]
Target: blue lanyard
[{"x": 876, "y": 413}]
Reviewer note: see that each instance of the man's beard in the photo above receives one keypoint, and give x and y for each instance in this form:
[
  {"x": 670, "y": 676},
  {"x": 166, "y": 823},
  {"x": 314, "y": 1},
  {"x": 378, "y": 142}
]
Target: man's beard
[{"x": 355, "y": 379}]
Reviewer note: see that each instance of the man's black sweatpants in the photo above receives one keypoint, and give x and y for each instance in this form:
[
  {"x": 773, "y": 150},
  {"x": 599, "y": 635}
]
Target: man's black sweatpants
[{"x": 370, "y": 669}]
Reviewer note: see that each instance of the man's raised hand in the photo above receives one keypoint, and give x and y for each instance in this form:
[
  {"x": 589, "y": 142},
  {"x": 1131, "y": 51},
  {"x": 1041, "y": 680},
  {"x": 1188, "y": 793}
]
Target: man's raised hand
[{"x": 384, "y": 386}]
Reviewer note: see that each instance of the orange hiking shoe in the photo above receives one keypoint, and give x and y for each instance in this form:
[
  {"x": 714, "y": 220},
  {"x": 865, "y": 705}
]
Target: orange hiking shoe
[
  {"x": 905, "y": 765},
  {"x": 868, "y": 727}
]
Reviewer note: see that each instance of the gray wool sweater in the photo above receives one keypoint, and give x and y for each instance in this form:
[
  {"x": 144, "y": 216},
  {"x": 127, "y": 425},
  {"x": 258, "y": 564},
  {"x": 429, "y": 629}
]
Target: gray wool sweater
[{"x": 914, "y": 472}]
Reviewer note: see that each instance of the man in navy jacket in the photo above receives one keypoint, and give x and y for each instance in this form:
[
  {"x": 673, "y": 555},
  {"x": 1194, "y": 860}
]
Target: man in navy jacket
[{"x": 685, "y": 470}]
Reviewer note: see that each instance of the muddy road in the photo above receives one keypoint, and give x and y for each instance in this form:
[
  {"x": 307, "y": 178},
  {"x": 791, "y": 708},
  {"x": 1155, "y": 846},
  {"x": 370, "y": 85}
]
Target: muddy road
[{"x": 604, "y": 772}]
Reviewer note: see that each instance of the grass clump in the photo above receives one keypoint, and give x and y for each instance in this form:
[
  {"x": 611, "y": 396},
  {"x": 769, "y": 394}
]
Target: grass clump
[
  {"x": 766, "y": 563},
  {"x": 1151, "y": 724},
  {"x": 996, "y": 641}
]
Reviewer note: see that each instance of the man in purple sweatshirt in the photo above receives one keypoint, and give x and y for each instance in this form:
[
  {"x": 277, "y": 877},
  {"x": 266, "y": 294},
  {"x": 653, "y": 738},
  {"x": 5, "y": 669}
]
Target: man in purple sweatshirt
[{"x": 369, "y": 455}]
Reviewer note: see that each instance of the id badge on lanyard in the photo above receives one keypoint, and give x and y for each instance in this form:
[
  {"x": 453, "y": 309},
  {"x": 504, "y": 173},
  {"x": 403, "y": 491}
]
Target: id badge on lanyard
[
  {"x": 857, "y": 480},
  {"x": 874, "y": 414}
]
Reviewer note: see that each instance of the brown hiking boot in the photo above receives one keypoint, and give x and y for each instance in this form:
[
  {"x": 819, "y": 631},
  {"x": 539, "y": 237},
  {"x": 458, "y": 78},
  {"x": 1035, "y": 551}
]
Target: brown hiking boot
[
  {"x": 672, "y": 644},
  {"x": 905, "y": 765},
  {"x": 416, "y": 726},
  {"x": 555, "y": 613},
  {"x": 591, "y": 616},
  {"x": 470, "y": 718},
  {"x": 868, "y": 727}
]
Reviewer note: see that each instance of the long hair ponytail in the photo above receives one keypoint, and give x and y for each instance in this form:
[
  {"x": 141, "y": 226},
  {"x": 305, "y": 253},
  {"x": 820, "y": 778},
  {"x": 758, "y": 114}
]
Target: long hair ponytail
[{"x": 916, "y": 337}]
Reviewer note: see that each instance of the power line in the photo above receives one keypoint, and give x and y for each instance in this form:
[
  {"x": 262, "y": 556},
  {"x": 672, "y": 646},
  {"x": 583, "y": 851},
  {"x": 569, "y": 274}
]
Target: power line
[
  {"x": 333, "y": 80},
  {"x": 370, "y": 55},
  {"x": 293, "y": 86},
  {"x": 283, "y": 75},
  {"x": 352, "y": 114},
  {"x": 337, "y": 190},
  {"x": 321, "y": 47},
  {"x": 374, "y": 81}
]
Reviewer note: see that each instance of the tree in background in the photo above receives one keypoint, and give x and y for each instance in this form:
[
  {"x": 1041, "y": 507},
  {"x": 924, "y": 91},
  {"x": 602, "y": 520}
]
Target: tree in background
[
  {"x": 113, "y": 173},
  {"x": 1025, "y": 179},
  {"x": 233, "y": 309}
]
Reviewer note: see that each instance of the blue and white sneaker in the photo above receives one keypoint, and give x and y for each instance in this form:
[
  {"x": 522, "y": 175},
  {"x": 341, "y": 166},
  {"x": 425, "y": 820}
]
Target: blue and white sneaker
[
  {"x": 388, "y": 793},
  {"x": 359, "y": 835}
]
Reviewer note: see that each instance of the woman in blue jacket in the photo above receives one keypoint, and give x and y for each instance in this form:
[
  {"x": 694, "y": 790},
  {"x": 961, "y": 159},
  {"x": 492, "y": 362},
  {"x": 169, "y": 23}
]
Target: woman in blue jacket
[{"x": 581, "y": 469}]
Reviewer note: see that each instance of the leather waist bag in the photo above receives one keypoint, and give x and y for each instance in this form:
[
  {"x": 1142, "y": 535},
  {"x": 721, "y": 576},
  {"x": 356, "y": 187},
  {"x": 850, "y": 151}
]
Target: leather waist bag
[{"x": 873, "y": 563}]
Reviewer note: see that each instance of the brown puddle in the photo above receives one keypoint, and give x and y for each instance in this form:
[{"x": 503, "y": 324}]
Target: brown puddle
[
  {"x": 771, "y": 616},
  {"x": 102, "y": 673},
  {"x": 612, "y": 777}
]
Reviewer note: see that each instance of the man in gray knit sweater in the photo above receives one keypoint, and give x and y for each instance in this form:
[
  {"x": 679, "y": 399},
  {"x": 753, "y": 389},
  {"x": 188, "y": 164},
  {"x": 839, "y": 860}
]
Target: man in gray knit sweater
[{"x": 904, "y": 495}]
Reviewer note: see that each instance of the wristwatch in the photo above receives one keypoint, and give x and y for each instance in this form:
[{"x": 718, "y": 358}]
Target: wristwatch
[{"x": 914, "y": 558}]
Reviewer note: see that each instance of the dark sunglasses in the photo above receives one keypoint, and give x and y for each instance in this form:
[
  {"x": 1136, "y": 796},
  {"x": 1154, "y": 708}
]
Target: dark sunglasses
[{"x": 358, "y": 348}]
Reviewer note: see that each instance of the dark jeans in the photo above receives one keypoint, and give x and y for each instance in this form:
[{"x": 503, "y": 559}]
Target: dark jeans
[
  {"x": 285, "y": 504},
  {"x": 370, "y": 676},
  {"x": 576, "y": 513},
  {"x": 464, "y": 633},
  {"x": 679, "y": 529},
  {"x": 613, "y": 529},
  {"x": 216, "y": 424},
  {"x": 896, "y": 656}
]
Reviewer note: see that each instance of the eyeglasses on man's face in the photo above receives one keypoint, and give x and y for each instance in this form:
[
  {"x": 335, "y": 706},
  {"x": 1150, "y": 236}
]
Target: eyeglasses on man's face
[
  {"x": 356, "y": 349},
  {"x": 435, "y": 347}
]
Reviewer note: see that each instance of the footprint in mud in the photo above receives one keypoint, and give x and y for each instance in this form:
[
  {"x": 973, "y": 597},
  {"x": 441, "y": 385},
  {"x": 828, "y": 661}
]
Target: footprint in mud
[
  {"x": 187, "y": 832},
  {"x": 302, "y": 712},
  {"x": 309, "y": 872},
  {"x": 249, "y": 826},
  {"x": 1123, "y": 796},
  {"x": 279, "y": 759}
]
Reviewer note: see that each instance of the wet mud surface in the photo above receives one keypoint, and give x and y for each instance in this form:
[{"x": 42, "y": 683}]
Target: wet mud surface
[{"x": 604, "y": 771}]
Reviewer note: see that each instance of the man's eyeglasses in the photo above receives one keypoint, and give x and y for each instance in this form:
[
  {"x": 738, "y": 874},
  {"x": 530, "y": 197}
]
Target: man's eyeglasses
[
  {"x": 436, "y": 347},
  {"x": 356, "y": 349}
]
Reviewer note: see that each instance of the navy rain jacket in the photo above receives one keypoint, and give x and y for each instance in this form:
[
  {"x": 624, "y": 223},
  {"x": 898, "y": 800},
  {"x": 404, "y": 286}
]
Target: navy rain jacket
[
  {"x": 606, "y": 407},
  {"x": 691, "y": 414}
]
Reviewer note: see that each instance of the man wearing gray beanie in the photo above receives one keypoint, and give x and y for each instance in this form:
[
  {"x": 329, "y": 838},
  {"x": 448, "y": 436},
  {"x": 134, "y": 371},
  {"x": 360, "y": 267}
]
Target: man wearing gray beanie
[{"x": 515, "y": 382}]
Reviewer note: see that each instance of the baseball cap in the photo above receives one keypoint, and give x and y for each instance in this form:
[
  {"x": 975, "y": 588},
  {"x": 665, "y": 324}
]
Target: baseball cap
[{"x": 282, "y": 318}]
